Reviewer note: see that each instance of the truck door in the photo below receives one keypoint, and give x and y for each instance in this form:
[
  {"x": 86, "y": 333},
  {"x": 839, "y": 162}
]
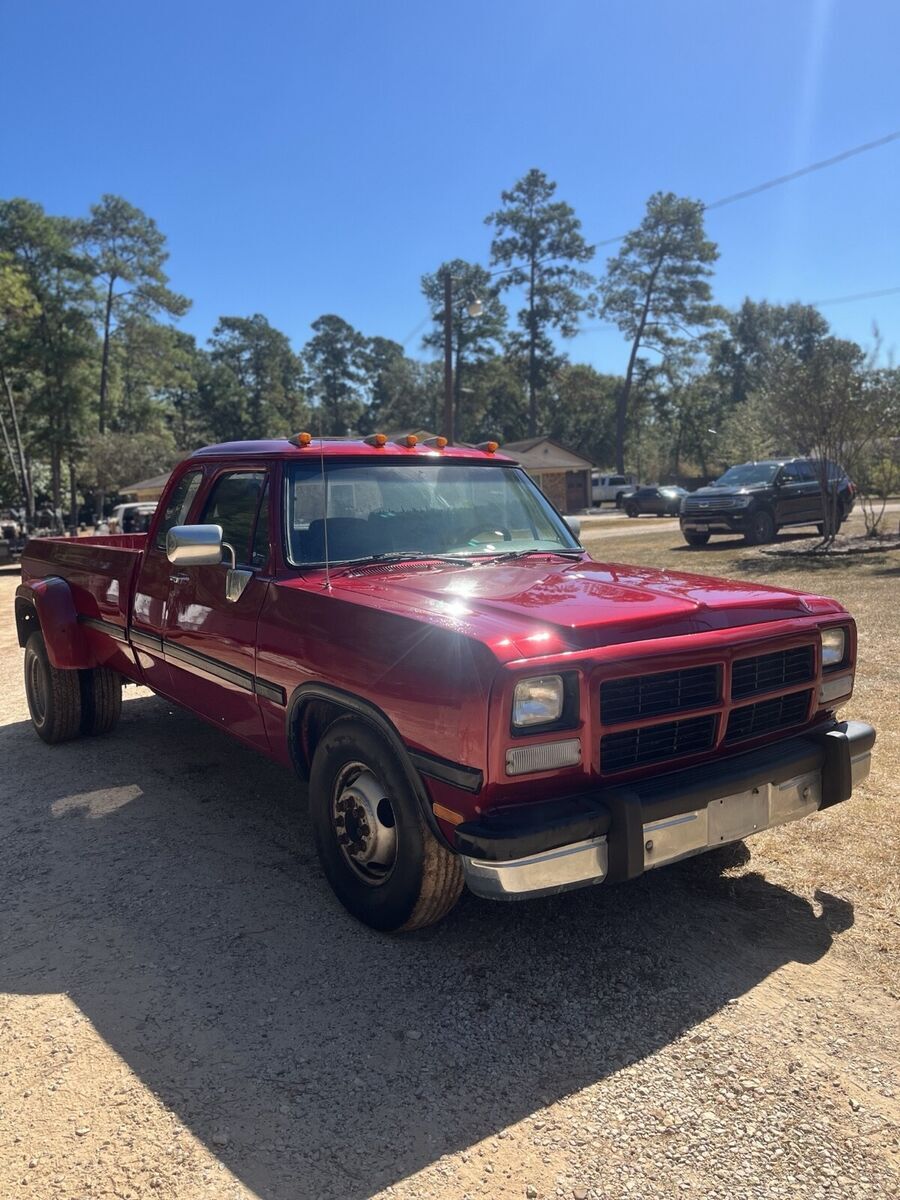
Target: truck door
[
  {"x": 793, "y": 499},
  {"x": 151, "y": 598},
  {"x": 210, "y": 641}
]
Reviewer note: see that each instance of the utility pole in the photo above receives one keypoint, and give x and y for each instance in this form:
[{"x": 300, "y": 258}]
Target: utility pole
[{"x": 448, "y": 430}]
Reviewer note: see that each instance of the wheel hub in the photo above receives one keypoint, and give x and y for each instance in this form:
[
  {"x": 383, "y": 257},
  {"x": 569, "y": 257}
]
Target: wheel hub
[{"x": 364, "y": 823}]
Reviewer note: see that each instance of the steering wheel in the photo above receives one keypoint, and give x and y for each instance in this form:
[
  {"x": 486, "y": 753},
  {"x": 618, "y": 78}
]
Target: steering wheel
[{"x": 471, "y": 535}]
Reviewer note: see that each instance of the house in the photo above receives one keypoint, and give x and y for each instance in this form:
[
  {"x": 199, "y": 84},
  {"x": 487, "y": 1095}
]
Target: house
[
  {"x": 562, "y": 475},
  {"x": 148, "y": 490}
]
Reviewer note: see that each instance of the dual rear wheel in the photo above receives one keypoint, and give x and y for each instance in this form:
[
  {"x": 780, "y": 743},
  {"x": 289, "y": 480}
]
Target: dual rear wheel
[{"x": 66, "y": 704}]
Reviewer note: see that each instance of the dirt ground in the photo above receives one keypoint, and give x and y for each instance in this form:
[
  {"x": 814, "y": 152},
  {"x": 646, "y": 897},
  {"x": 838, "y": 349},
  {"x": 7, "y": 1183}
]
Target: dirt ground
[{"x": 186, "y": 1012}]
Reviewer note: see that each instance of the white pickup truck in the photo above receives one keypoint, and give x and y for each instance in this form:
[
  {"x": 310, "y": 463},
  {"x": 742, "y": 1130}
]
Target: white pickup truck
[{"x": 610, "y": 487}]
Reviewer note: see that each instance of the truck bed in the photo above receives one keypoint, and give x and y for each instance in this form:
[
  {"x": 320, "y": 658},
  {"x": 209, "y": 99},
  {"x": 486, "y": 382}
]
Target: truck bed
[{"x": 101, "y": 570}]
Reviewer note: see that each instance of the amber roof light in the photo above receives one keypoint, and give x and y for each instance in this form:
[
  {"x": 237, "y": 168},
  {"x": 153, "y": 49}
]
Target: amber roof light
[
  {"x": 301, "y": 439},
  {"x": 376, "y": 439}
]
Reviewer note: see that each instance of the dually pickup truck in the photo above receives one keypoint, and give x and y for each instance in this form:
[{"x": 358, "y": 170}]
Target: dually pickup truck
[{"x": 473, "y": 700}]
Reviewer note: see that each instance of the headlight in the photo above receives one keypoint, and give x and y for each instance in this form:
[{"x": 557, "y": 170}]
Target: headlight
[
  {"x": 834, "y": 646},
  {"x": 538, "y": 701},
  {"x": 742, "y": 501}
]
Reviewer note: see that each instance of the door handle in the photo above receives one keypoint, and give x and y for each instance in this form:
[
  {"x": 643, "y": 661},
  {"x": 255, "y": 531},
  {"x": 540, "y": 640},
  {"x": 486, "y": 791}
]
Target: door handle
[{"x": 179, "y": 579}]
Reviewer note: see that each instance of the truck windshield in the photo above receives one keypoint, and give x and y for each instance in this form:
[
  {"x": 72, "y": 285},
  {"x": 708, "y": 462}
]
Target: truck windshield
[
  {"x": 388, "y": 509},
  {"x": 748, "y": 474}
]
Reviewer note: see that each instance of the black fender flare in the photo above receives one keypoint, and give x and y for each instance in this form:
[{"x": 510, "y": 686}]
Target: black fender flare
[{"x": 365, "y": 710}]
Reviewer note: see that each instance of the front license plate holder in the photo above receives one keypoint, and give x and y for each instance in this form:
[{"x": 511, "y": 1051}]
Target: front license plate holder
[{"x": 735, "y": 817}]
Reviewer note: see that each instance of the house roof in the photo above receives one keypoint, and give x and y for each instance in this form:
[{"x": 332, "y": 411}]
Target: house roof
[
  {"x": 544, "y": 454},
  {"x": 146, "y": 485}
]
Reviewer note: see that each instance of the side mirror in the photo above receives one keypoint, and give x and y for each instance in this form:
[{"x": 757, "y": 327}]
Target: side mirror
[
  {"x": 574, "y": 523},
  {"x": 194, "y": 545}
]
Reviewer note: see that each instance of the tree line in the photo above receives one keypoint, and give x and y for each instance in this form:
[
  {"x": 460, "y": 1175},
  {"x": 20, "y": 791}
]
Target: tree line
[{"x": 99, "y": 387}]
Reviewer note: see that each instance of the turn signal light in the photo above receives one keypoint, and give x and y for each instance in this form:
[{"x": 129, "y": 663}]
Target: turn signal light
[
  {"x": 488, "y": 447},
  {"x": 376, "y": 439},
  {"x": 300, "y": 439}
]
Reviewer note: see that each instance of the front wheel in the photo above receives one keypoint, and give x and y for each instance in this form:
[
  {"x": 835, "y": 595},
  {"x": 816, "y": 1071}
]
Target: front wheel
[
  {"x": 761, "y": 528},
  {"x": 632, "y": 510},
  {"x": 383, "y": 862},
  {"x": 695, "y": 539},
  {"x": 53, "y": 695}
]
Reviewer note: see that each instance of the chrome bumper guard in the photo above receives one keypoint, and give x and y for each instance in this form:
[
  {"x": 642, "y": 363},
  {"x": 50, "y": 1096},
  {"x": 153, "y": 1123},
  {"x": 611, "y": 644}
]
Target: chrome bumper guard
[{"x": 725, "y": 819}]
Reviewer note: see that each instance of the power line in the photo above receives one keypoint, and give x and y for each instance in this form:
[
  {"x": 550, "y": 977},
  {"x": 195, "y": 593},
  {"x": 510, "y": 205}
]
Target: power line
[
  {"x": 891, "y": 291},
  {"x": 782, "y": 179}
]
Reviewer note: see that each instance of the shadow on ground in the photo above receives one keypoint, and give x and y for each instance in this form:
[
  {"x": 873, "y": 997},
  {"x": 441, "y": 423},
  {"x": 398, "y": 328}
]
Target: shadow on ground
[{"x": 165, "y": 879}]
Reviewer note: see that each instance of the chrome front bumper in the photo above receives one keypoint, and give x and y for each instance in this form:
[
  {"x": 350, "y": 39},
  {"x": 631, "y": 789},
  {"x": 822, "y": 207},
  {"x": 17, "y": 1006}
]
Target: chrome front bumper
[{"x": 725, "y": 819}]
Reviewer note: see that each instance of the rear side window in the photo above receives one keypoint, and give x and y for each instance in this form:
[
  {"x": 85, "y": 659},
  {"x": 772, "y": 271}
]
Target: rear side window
[
  {"x": 234, "y": 503},
  {"x": 179, "y": 505}
]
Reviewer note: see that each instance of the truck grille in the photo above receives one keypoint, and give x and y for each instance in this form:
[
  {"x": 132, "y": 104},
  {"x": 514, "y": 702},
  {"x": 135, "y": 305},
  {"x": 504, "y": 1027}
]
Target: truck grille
[
  {"x": 652, "y": 695},
  {"x": 753, "y": 720},
  {"x": 767, "y": 672},
  {"x": 650, "y": 743},
  {"x": 708, "y": 503}
]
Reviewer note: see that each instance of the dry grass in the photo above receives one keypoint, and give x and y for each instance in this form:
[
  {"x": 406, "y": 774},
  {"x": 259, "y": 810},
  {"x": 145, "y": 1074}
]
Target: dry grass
[{"x": 854, "y": 850}]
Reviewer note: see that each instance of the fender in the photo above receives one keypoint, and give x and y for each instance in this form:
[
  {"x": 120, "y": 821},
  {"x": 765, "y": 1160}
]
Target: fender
[
  {"x": 52, "y": 600},
  {"x": 355, "y": 706}
]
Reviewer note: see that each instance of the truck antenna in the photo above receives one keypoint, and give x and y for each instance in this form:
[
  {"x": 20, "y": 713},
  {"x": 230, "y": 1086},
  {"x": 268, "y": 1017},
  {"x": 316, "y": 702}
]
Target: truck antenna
[{"x": 327, "y": 584}]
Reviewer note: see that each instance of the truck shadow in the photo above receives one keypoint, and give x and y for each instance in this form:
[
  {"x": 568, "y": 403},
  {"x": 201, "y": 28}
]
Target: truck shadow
[{"x": 164, "y": 878}]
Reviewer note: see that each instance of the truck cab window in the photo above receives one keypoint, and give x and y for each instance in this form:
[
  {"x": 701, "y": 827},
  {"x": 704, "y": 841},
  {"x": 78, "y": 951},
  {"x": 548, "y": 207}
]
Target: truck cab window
[
  {"x": 179, "y": 505},
  {"x": 233, "y": 503}
]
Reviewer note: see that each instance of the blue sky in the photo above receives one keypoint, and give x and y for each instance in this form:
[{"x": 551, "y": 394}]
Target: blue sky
[{"x": 319, "y": 157}]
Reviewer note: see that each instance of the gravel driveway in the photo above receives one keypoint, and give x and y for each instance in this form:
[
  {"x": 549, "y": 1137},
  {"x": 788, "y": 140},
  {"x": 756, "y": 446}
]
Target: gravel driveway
[{"x": 186, "y": 1012}]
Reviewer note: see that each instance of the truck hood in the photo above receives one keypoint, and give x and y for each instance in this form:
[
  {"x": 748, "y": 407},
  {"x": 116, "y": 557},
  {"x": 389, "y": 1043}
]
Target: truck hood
[
  {"x": 720, "y": 493},
  {"x": 530, "y": 608}
]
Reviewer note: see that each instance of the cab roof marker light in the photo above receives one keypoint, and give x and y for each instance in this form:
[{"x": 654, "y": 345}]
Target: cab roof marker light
[
  {"x": 488, "y": 447},
  {"x": 376, "y": 439},
  {"x": 409, "y": 441},
  {"x": 301, "y": 439},
  {"x": 435, "y": 443}
]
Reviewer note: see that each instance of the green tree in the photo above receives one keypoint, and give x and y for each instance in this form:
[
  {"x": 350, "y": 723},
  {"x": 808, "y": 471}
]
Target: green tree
[
  {"x": 582, "y": 415},
  {"x": 18, "y": 307},
  {"x": 538, "y": 241},
  {"x": 55, "y": 352},
  {"x": 127, "y": 254},
  {"x": 267, "y": 371},
  {"x": 473, "y": 338},
  {"x": 495, "y": 406},
  {"x": 336, "y": 362},
  {"x": 113, "y": 459},
  {"x": 656, "y": 289}
]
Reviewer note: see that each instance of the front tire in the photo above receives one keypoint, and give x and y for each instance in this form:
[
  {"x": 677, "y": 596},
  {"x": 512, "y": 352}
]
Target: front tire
[
  {"x": 383, "y": 862},
  {"x": 632, "y": 510},
  {"x": 761, "y": 528},
  {"x": 54, "y": 696},
  {"x": 695, "y": 539}
]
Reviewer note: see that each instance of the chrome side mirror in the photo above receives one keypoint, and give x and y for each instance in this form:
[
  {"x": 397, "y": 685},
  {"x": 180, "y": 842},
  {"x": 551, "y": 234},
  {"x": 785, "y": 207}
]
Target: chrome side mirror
[
  {"x": 574, "y": 523},
  {"x": 194, "y": 545}
]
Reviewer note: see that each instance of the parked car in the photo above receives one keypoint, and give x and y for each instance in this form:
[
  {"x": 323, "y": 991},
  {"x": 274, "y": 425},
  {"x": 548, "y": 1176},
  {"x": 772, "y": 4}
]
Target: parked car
[
  {"x": 759, "y": 498},
  {"x": 654, "y": 499},
  {"x": 610, "y": 488},
  {"x": 472, "y": 699},
  {"x": 131, "y": 518}
]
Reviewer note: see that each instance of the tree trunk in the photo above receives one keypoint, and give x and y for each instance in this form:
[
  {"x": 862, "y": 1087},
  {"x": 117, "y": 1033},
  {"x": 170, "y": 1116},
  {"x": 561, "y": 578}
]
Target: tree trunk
[
  {"x": 532, "y": 389},
  {"x": 104, "y": 362},
  {"x": 24, "y": 470},
  {"x": 625, "y": 395}
]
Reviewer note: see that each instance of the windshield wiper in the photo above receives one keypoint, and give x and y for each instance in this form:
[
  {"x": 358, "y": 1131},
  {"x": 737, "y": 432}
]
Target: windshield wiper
[
  {"x": 389, "y": 556},
  {"x": 509, "y": 555}
]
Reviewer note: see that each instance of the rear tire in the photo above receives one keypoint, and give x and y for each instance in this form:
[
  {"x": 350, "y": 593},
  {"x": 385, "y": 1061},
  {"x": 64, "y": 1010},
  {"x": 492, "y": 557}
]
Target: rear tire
[
  {"x": 696, "y": 539},
  {"x": 101, "y": 700},
  {"x": 383, "y": 862},
  {"x": 54, "y": 696},
  {"x": 761, "y": 529},
  {"x": 632, "y": 510}
]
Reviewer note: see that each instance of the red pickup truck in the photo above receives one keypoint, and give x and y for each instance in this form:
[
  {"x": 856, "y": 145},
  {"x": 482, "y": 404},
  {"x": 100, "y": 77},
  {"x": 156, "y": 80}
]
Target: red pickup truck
[{"x": 472, "y": 699}]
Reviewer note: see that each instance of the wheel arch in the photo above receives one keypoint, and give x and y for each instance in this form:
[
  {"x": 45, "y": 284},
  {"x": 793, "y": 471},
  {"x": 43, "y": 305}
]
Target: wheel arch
[
  {"x": 313, "y": 707},
  {"x": 48, "y": 605}
]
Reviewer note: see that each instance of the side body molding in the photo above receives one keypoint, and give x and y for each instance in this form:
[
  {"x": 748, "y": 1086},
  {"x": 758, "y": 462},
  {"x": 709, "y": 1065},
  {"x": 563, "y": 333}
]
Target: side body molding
[{"x": 52, "y": 600}]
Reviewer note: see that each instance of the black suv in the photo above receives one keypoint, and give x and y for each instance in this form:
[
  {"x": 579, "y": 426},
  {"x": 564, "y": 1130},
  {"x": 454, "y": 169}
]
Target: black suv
[{"x": 759, "y": 498}]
